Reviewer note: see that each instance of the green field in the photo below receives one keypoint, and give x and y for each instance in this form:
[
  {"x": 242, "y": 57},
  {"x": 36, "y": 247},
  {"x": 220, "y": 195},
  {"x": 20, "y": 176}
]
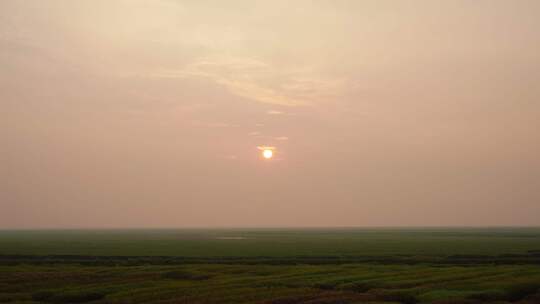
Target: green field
[
  {"x": 272, "y": 242},
  {"x": 386, "y": 265}
]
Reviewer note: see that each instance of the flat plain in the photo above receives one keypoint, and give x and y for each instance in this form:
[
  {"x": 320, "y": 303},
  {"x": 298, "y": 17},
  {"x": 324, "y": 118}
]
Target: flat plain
[{"x": 345, "y": 265}]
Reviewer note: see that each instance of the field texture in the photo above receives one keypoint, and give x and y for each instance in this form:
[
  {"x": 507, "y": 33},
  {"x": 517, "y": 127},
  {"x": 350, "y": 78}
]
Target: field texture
[{"x": 271, "y": 266}]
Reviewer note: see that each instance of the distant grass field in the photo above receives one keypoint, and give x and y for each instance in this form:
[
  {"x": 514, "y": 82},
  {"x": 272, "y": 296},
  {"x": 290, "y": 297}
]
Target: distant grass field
[
  {"x": 272, "y": 266},
  {"x": 272, "y": 242}
]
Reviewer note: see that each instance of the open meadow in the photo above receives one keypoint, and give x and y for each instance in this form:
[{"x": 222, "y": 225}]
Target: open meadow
[{"x": 386, "y": 265}]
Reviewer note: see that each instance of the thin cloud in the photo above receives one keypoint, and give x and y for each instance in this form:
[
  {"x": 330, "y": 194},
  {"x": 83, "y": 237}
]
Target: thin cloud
[
  {"x": 281, "y": 138},
  {"x": 258, "y": 81},
  {"x": 266, "y": 148}
]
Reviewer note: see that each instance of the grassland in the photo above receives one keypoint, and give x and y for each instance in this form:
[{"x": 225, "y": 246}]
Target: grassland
[
  {"x": 272, "y": 242},
  {"x": 435, "y": 265}
]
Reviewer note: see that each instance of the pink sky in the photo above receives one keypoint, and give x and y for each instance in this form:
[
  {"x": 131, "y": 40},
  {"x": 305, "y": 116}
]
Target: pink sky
[{"x": 381, "y": 113}]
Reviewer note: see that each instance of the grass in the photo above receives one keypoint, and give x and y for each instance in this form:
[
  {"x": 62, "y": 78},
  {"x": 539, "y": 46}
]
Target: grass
[
  {"x": 266, "y": 284},
  {"x": 271, "y": 266},
  {"x": 272, "y": 242}
]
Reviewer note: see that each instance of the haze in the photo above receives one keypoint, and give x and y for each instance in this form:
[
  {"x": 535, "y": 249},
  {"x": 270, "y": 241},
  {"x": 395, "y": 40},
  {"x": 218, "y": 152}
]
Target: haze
[{"x": 381, "y": 113}]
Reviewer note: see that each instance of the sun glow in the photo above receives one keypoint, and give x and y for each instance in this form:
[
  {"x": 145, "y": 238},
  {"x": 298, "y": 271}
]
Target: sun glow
[{"x": 267, "y": 153}]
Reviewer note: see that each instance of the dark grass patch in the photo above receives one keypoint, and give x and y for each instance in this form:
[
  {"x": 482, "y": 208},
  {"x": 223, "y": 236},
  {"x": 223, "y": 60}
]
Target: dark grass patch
[
  {"x": 457, "y": 301},
  {"x": 398, "y": 296},
  {"x": 488, "y": 296},
  {"x": 323, "y": 298},
  {"x": 42, "y": 296},
  {"x": 261, "y": 273},
  {"x": 185, "y": 275},
  {"x": 521, "y": 291},
  {"x": 67, "y": 297},
  {"x": 6, "y": 298},
  {"x": 275, "y": 284},
  {"x": 325, "y": 286},
  {"x": 360, "y": 287},
  {"x": 513, "y": 293}
]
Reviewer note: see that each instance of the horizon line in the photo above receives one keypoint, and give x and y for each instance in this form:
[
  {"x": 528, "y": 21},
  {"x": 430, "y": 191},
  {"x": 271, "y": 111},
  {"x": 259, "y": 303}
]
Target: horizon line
[{"x": 271, "y": 227}]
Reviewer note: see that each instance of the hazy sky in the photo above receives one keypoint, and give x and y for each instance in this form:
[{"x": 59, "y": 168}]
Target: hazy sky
[{"x": 149, "y": 113}]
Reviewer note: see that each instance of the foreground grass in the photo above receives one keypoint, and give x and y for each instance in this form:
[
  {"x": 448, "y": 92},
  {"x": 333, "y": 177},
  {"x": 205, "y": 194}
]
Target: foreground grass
[{"x": 350, "y": 283}]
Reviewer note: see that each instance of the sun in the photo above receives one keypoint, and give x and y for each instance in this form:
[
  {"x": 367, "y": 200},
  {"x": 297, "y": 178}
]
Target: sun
[{"x": 267, "y": 153}]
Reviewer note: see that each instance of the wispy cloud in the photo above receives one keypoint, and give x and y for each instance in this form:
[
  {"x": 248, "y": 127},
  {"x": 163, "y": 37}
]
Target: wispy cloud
[
  {"x": 259, "y": 81},
  {"x": 281, "y": 138},
  {"x": 266, "y": 148}
]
